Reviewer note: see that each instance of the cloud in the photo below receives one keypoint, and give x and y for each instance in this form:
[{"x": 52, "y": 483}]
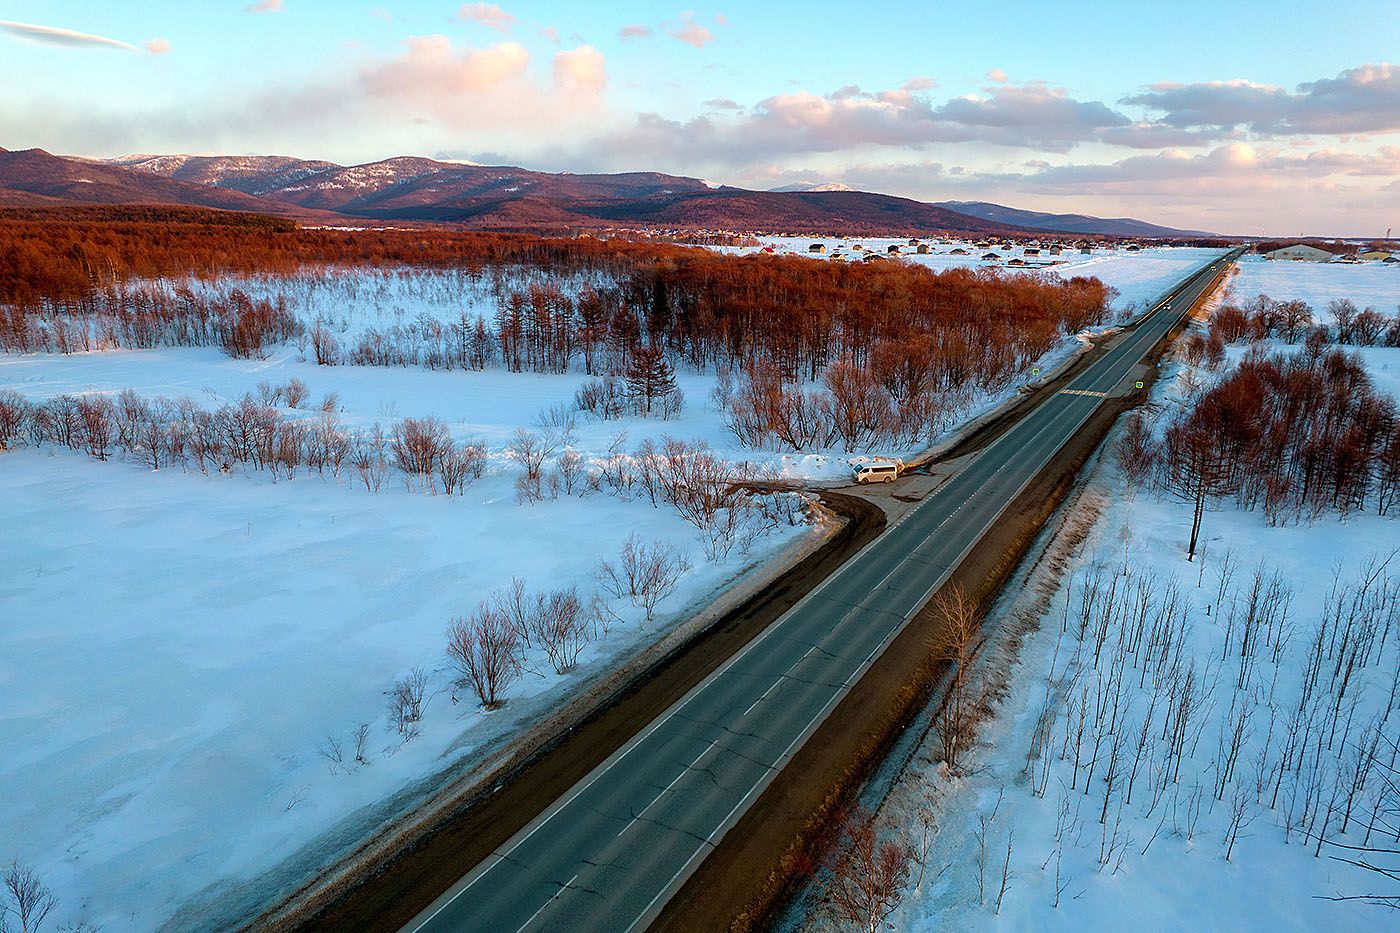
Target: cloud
[
  {"x": 1233, "y": 170},
  {"x": 264, "y": 6},
  {"x": 1365, "y": 99},
  {"x": 1031, "y": 114},
  {"x": 997, "y": 76},
  {"x": 851, "y": 118},
  {"x": 65, "y": 38},
  {"x": 480, "y": 88},
  {"x": 157, "y": 46},
  {"x": 487, "y": 14},
  {"x": 549, "y": 34},
  {"x": 581, "y": 71},
  {"x": 691, "y": 32},
  {"x": 634, "y": 31},
  {"x": 723, "y": 103}
]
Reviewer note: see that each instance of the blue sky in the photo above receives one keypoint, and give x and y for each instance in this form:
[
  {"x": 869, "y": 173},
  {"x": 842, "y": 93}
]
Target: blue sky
[{"x": 1245, "y": 117}]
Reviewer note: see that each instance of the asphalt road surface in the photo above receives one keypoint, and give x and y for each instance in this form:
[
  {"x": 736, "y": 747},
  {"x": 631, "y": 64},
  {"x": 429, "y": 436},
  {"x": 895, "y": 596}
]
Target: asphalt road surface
[{"x": 610, "y": 852}]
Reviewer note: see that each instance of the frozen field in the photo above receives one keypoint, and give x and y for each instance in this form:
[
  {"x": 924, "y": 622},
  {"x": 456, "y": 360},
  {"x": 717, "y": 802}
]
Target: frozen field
[
  {"x": 178, "y": 647},
  {"x": 1368, "y": 284},
  {"x": 209, "y": 639}
]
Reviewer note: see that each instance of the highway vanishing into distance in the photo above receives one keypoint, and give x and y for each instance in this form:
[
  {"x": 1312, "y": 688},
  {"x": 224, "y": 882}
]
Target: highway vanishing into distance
[{"x": 610, "y": 852}]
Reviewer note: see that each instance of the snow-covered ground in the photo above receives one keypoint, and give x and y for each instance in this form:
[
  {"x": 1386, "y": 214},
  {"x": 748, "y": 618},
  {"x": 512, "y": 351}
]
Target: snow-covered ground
[
  {"x": 177, "y": 648},
  {"x": 1190, "y": 855},
  {"x": 1139, "y": 276},
  {"x": 1370, "y": 284}
]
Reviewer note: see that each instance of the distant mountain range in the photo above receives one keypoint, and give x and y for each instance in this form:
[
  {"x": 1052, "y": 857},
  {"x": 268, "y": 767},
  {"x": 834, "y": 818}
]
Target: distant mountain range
[
  {"x": 1065, "y": 223},
  {"x": 412, "y": 189}
]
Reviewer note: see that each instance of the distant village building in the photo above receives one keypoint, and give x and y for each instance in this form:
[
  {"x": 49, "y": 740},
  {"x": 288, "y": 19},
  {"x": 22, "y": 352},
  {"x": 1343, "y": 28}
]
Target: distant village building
[
  {"x": 913, "y": 242},
  {"x": 893, "y": 250},
  {"x": 1374, "y": 255},
  {"x": 1085, "y": 250},
  {"x": 1133, "y": 247},
  {"x": 818, "y": 248},
  {"x": 957, "y": 251},
  {"x": 1391, "y": 259},
  {"x": 1300, "y": 252},
  {"x": 991, "y": 257},
  {"x": 1053, "y": 251},
  {"x": 1018, "y": 261},
  {"x": 1031, "y": 251}
]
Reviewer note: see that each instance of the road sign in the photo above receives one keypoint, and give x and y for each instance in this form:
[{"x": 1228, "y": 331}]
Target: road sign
[
  {"x": 1036, "y": 371},
  {"x": 1139, "y": 385}
]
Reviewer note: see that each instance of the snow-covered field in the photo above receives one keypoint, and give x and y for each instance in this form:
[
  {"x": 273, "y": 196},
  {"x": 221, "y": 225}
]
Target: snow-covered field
[
  {"x": 182, "y": 654},
  {"x": 1225, "y": 842},
  {"x": 1139, "y": 276},
  {"x": 178, "y": 648},
  {"x": 1370, "y": 284}
]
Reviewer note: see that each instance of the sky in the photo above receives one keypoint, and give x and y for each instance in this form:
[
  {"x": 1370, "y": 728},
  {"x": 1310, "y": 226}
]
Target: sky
[{"x": 1276, "y": 118}]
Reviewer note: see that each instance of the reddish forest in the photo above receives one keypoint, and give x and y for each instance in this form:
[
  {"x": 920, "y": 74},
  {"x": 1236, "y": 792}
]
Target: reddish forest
[
  {"x": 895, "y": 348},
  {"x": 1292, "y": 433}
]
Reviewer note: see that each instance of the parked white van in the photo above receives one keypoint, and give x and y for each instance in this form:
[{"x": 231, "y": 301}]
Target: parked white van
[{"x": 876, "y": 471}]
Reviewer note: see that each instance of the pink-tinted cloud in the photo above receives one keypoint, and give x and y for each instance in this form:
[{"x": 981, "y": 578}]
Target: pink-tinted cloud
[
  {"x": 157, "y": 46},
  {"x": 997, "y": 76},
  {"x": 485, "y": 87},
  {"x": 691, "y": 32},
  {"x": 848, "y": 118},
  {"x": 264, "y": 6},
  {"x": 489, "y": 15},
  {"x": 634, "y": 31},
  {"x": 582, "y": 71}
]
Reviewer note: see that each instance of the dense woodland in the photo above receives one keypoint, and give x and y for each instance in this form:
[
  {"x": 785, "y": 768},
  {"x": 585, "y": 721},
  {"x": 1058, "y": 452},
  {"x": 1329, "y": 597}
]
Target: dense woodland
[{"x": 1294, "y": 433}]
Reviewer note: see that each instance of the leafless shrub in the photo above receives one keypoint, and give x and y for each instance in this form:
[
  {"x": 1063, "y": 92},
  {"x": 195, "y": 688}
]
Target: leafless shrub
[
  {"x": 418, "y": 446},
  {"x": 643, "y": 573},
  {"x": 26, "y": 896},
  {"x": 333, "y": 751},
  {"x": 485, "y": 648},
  {"x": 866, "y": 875},
  {"x": 406, "y": 702},
  {"x": 459, "y": 464},
  {"x": 14, "y": 412},
  {"x": 361, "y": 738},
  {"x": 295, "y": 392},
  {"x": 369, "y": 460}
]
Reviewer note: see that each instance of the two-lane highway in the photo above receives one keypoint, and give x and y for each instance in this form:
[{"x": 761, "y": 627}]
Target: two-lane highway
[{"x": 610, "y": 852}]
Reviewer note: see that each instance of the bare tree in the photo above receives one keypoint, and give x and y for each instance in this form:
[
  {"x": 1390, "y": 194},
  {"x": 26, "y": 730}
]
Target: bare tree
[
  {"x": 29, "y": 899},
  {"x": 956, "y": 644},
  {"x": 485, "y": 648},
  {"x": 866, "y": 876}
]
